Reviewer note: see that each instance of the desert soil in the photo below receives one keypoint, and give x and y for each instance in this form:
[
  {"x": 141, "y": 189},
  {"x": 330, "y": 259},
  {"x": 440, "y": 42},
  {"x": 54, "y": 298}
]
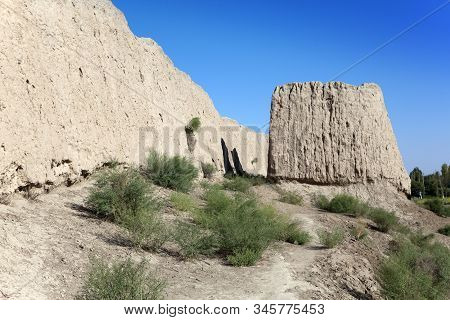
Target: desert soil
[{"x": 46, "y": 244}]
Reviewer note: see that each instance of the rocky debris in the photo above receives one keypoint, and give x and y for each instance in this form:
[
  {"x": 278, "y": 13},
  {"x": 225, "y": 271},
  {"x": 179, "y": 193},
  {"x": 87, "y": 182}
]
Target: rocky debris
[
  {"x": 79, "y": 89},
  {"x": 333, "y": 134}
]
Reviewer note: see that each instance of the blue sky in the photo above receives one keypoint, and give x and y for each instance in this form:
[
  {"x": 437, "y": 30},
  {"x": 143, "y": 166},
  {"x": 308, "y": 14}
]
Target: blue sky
[{"x": 238, "y": 51}]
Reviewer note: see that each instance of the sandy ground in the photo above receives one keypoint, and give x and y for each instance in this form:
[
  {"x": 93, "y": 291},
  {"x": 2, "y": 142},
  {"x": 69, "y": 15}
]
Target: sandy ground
[{"x": 45, "y": 246}]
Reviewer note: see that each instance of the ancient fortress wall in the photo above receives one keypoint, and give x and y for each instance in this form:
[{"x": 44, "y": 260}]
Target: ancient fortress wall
[
  {"x": 78, "y": 89},
  {"x": 333, "y": 134}
]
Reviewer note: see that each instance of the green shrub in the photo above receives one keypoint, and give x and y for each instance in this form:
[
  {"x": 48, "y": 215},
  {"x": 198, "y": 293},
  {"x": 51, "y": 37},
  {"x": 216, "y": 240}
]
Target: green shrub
[
  {"x": 239, "y": 184},
  {"x": 125, "y": 280},
  {"x": 437, "y": 205},
  {"x": 415, "y": 272},
  {"x": 208, "y": 170},
  {"x": 240, "y": 223},
  {"x": 193, "y": 240},
  {"x": 193, "y": 125},
  {"x": 177, "y": 173},
  {"x": 183, "y": 202},
  {"x": 384, "y": 220},
  {"x": 445, "y": 230},
  {"x": 244, "y": 257},
  {"x": 343, "y": 203},
  {"x": 127, "y": 199},
  {"x": 321, "y": 202},
  {"x": 291, "y": 198},
  {"x": 330, "y": 239},
  {"x": 291, "y": 233}
]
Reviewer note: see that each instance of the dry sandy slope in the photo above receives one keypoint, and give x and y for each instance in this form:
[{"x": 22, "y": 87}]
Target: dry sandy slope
[{"x": 45, "y": 247}]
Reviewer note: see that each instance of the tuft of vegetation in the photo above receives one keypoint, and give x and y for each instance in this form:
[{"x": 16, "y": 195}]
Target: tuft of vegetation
[
  {"x": 208, "y": 170},
  {"x": 183, "y": 202},
  {"x": 290, "y": 197},
  {"x": 330, "y": 239},
  {"x": 177, "y": 173},
  {"x": 384, "y": 220},
  {"x": 194, "y": 240},
  {"x": 344, "y": 203},
  {"x": 437, "y": 205},
  {"x": 291, "y": 233},
  {"x": 347, "y": 204},
  {"x": 359, "y": 231},
  {"x": 445, "y": 230},
  {"x": 416, "y": 270},
  {"x": 239, "y": 184},
  {"x": 244, "y": 257},
  {"x": 127, "y": 199},
  {"x": 243, "y": 227},
  {"x": 193, "y": 125},
  {"x": 124, "y": 280},
  {"x": 321, "y": 202}
]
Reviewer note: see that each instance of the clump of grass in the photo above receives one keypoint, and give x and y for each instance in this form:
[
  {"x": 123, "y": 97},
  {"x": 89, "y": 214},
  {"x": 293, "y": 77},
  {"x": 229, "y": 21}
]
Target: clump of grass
[
  {"x": 238, "y": 184},
  {"x": 347, "y": 204},
  {"x": 321, "y": 202},
  {"x": 194, "y": 240},
  {"x": 291, "y": 233},
  {"x": 208, "y": 170},
  {"x": 177, "y": 173},
  {"x": 344, "y": 203},
  {"x": 291, "y": 198},
  {"x": 124, "y": 280},
  {"x": 127, "y": 199},
  {"x": 244, "y": 257},
  {"x": 193, "y": 125},
  {"x": 244, "y": 228},
  {"x": 183, "y": 202},
  {"x": 416, "y": 270},
  {"x": 359, "y": 231},
  {"x": 330, "y": 239},
  {"x": 445, "y": 230},
  {"x": 383, "y": 219},
  {"x": 437, "y": 205}
]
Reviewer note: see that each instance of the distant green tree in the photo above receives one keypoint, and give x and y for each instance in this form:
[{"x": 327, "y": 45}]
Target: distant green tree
[{"x": 417, "y": 182}]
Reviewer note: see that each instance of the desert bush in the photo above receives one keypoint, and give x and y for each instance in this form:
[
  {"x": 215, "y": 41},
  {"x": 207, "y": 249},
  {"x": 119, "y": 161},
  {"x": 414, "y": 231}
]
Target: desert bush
[
  {"x": 208, "y": 170},
  {"x": 384, "y": 220},
  {"x": 243, "y": 227},
  {"x": 344, "y": 203},
  {"x": 177, "y": 173},
  {"x": 127, "y": 199},
  {"x": 124, "y": 280},
  {"x": 193, "y": 125},
  {"x": 359, "y": 231},
  {"x": 437, "y": 206},
  {"x": 320, "y": 201},
  {"x": 330, "y": 239},
  {"x": 445, "y": 230},
  {"x": 416, "y": 271},
  {"x": 183, "y": 202},
  {"x": 194, "y": 240},
  {"x": 291, "y": 233},
  {"x": 291, "y": 198},
  {"x": 244, "y": 257},
  {"x": 239, "y": 184}
]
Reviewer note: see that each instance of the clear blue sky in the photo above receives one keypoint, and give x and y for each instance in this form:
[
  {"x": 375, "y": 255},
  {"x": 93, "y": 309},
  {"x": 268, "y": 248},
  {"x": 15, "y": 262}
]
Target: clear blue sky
[{"x": 238, "y": 51}]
